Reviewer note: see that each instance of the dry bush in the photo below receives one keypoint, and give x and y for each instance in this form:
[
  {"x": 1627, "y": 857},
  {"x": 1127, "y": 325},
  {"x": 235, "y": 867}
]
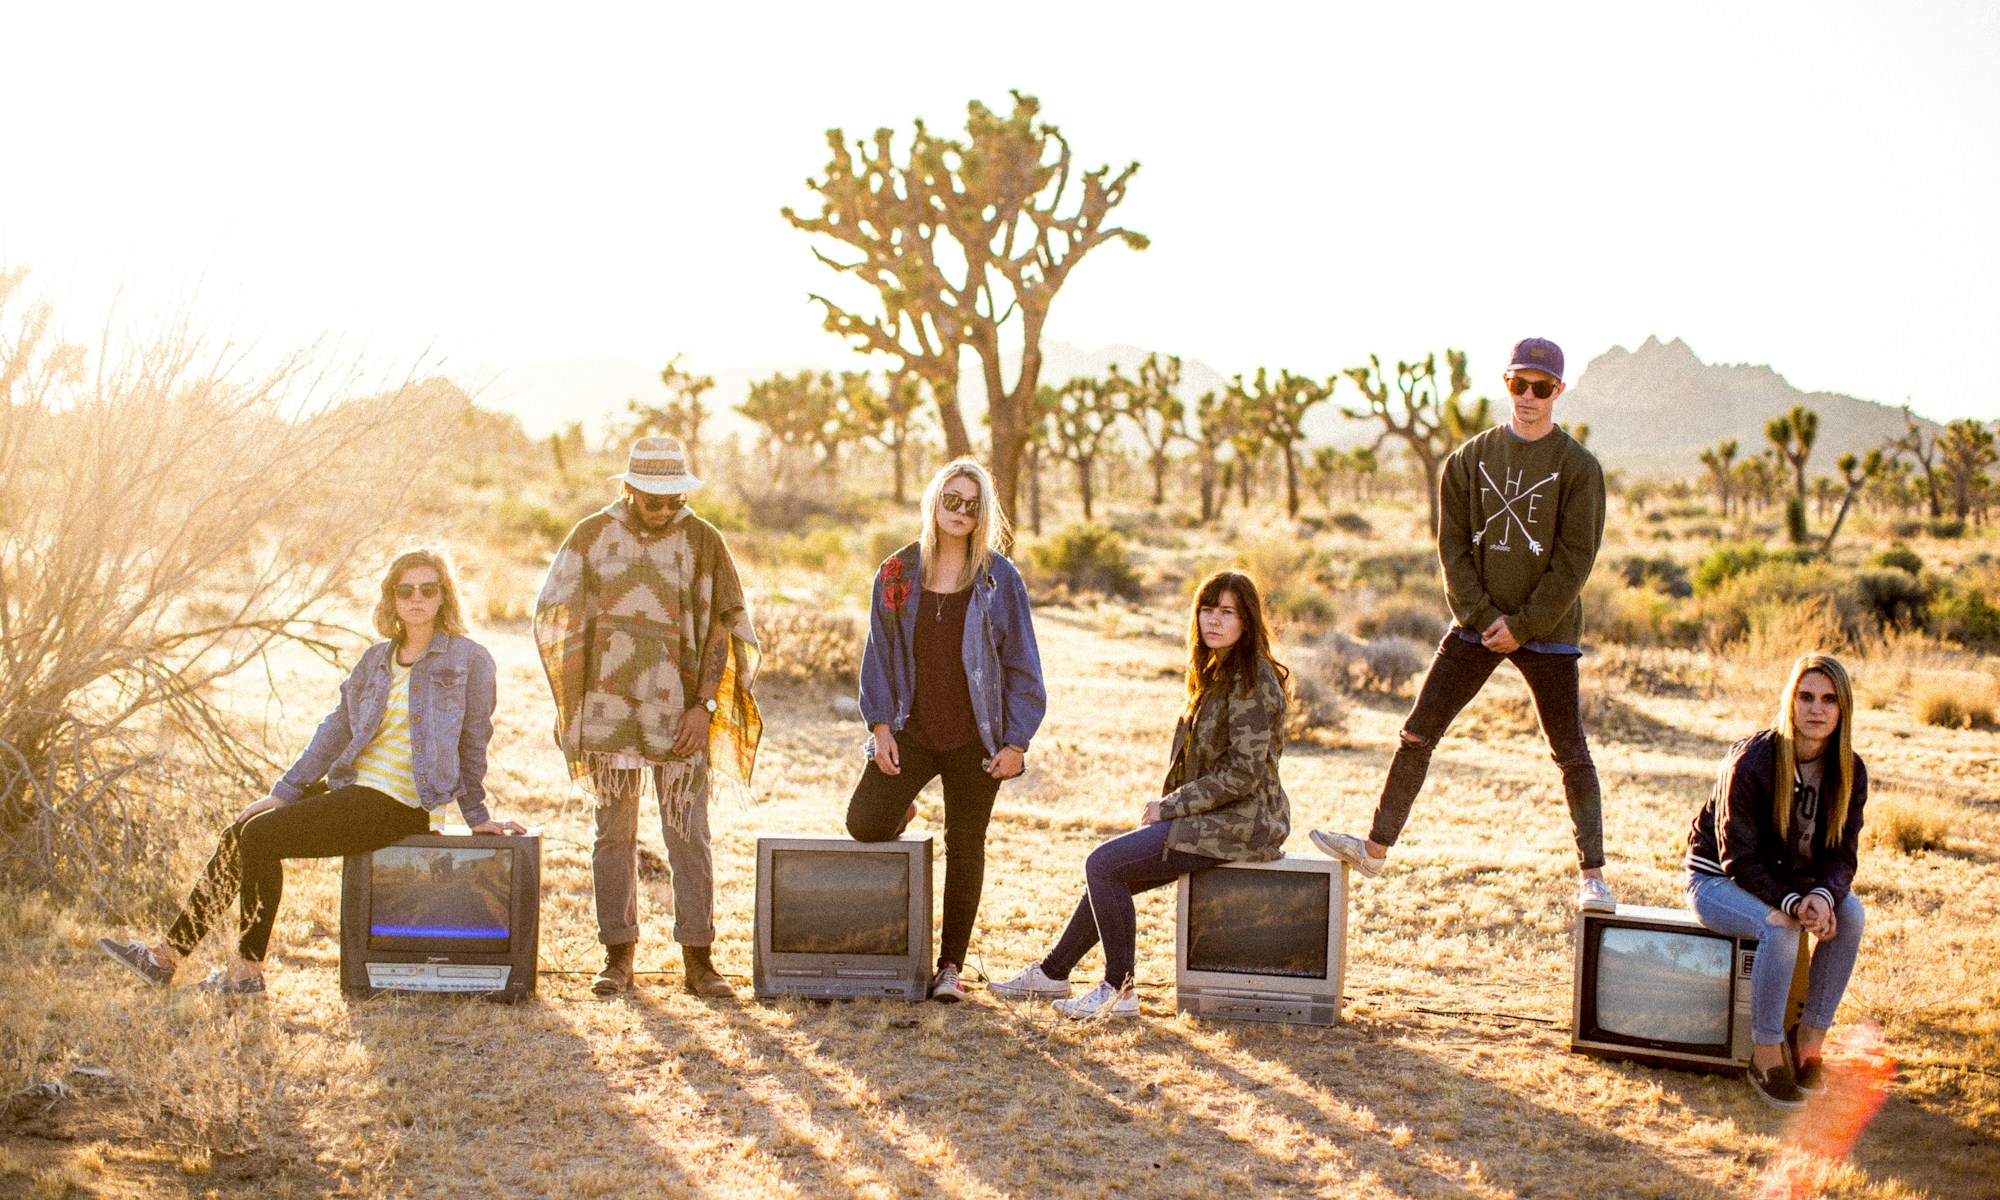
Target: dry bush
[
  {"x": 1318, "y": 682},
  {"x": 172, "y": 515},
  {"x": 1951, "y": 704},
  {"x": 1418, "y": 618},
  {"x": 1383, "y": 666},
  {"x": 1907, "y": 824},
  {"x": 810, "y": 644}
]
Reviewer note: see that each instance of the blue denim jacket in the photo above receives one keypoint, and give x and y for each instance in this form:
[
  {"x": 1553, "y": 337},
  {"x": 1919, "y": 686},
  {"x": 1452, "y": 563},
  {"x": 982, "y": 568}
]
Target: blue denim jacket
[
  {"x": 451, "y": 718},
  {"x": 1003, "y": 666}
]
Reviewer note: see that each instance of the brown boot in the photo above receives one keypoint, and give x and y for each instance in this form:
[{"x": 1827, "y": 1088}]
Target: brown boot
[
  {"x": 616, "y": 976},
  {"x": 701, "y": 977}
]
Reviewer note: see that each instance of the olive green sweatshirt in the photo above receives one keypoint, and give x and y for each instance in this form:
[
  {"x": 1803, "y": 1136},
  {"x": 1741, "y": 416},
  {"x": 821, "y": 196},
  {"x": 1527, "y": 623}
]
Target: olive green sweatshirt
[{"x": 1519, "y": 524}]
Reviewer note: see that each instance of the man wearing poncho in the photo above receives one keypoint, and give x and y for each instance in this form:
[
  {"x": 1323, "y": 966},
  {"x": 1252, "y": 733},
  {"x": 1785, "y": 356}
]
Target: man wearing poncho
[{"x": 646, "y": 638}]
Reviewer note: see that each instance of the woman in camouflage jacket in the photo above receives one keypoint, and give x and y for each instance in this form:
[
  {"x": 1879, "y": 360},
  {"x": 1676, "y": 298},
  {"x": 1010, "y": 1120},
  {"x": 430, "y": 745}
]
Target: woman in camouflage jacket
[{"x": 1222, "y": 802}]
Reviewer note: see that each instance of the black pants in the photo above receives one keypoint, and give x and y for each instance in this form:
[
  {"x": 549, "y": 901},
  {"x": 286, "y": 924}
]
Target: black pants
[
  {"x": 248, "y": 864},
  {"x": 875, "y": 814},
  {"x": 1460, "y": 669}
]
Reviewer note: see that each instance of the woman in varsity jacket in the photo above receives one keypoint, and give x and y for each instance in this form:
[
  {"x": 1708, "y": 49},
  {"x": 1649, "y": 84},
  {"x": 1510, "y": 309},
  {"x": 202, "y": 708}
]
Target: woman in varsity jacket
[
  {"x": 408, "y": 737},
  {"x": 1772, "y": 854}
]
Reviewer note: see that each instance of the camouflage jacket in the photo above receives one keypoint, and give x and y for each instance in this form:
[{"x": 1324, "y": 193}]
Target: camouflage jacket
[{"x": 1222, "y": 793}]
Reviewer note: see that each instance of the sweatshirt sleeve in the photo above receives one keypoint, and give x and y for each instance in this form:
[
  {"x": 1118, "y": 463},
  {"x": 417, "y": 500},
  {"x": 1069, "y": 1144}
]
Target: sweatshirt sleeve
[
  {"x": 1579, "y": 533},
  {"x": 1742, "y": 799},
  {"x": 1470, "y": 605}
]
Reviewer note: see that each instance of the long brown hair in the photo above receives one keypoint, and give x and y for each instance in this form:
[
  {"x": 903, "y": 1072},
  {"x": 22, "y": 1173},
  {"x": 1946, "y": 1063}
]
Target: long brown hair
[
  {"x": 1209, "y": 671},
  {"x": 449, "y": 618},
  {"x": 1839, "y": 753}
]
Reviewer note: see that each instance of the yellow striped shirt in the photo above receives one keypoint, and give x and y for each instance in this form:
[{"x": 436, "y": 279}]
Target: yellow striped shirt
[{"x": 386, "y": 762}]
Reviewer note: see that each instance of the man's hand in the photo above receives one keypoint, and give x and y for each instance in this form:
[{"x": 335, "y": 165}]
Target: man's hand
[
  {"x": 1006, "y": 764},
  {"x": 693, "y": 732},
  {"x": 887, "y": 760},
  {"x": 1152, "y": 814},
  {"x": 1498, "y": 638},
  {"x": 260, "y": 806}
]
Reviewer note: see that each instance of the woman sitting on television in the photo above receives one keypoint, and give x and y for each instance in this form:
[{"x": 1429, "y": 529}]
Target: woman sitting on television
[
  {"x": 1773, "y": 853},
  {"x": 1222, "y": 801},
  {"x": 408, "y": 736},
  {"x": 951, "y": 686}
]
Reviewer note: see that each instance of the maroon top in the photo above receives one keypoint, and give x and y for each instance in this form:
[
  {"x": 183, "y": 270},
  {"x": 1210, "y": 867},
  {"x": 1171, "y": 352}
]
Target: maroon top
[{"x": 941, "y": 715}]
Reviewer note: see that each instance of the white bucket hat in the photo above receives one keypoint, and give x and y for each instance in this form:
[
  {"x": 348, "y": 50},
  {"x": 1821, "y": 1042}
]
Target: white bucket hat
[{"x": 658, "y": 465}]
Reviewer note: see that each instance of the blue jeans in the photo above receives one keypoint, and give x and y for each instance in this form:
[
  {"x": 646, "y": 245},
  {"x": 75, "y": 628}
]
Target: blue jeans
[
  {"x": 1721, "y": 904},
  {"x": 1116, "y": 871}
]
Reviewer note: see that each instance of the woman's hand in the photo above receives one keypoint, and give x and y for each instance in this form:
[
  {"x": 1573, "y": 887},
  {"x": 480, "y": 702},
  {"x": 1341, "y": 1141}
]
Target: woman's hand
[
  {"x": 1817, "y": 916},
  {"x": 693, "y": 732},
  {"x": 1152, "y": 814},
  {"x": 499, "y": 827},
  {"x": 1006, "y": 764},
  {"x": 260, "y": 806},
  {"x": 887, "y": 760}
]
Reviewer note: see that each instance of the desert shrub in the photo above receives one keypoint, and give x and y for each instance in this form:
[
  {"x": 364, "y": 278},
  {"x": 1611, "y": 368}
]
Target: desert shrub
[
  {"x": 1318, "y": 680},
  {"x": 1086, "y": 558},
  {"x": 1351, "y": 522},
  {"x": 1651, "y": 671},
  {"x": 1948, "y": 703},
  {"x": 1301, "y": 607},
  {"x": 815, "y": 551},
  {"x": 810, "y": 644},
  {"x": 173, "y": 516},
  {"x": 537, "y": 523},
  {"x": 1382, "y": 666},
  {"x": 1631, "y": 616},
  {"x": 1899, "y": 558},
  {"x": 1966, "y": 617},
  {"x": 1661, "y": 574},
  {"x": 884, "y": 542},
  {"x": 1404, "y": 615},
  {"x": 1388, "y": 572},
  {"x": 1946, "y": 529},
  {"x": 1907, "y": 824},
  {"x": 1725, "y": 562},
  {"x": 1783, "y": 599},
  {"x": 1893, "y": 597}
]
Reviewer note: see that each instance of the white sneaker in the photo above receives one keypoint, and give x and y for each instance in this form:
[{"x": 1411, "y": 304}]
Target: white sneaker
[
  {"x": 1030, "y": 984},
  {"x": 946, "y": 987},
  {"x": 1594, "y": 895},
  {"x": 1100, "y": 1001},
  {"x": 1351, "y": 850}
]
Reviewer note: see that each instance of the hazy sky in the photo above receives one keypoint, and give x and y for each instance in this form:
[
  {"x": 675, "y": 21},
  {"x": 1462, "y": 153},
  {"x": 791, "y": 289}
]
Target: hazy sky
[{"x": 1815, "y": 186}]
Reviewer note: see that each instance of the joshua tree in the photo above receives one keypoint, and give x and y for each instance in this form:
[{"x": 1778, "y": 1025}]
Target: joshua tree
[
  {"x": 1718, "y": 463},
  {"x": 1149, "y": 403},
  {"x": 1965, "y": 450},
  {"x": 1431, "y": 426},
  {"x": 1856, "y": 471},
  {"x": 957, "y": 236},
  {"x": 1792, "y": 435},
  {"x": 1924, "y": 450},
  {"x": 1214, "y": 421},
  {"x": 798, "y": 412},
  {"x": 682, "y": 415},
  {"x": 1281, "y": 412},
  {"x": 888, "y": 417},
  {"x": 1082, "y": 415}
]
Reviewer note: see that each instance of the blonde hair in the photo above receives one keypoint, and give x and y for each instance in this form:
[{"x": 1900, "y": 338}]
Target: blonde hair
[
  {"x": 449, "y": 619},
  {"x": 989, "y": 529},
  {"x": 1839, "y": 753}
]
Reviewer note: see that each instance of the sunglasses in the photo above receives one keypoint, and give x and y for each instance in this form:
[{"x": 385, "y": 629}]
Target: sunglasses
[
  {"x": 428, "y": 591},
  {"x": 959, "y": 504},
  {"x": 1544, "y": 388}
]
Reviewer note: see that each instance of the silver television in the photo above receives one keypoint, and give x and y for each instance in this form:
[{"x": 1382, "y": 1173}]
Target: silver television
[
  {"x": 1654, "y": 986},
  {"x": 843, "y": 919},
  {"x": 1263, "y": 941}
]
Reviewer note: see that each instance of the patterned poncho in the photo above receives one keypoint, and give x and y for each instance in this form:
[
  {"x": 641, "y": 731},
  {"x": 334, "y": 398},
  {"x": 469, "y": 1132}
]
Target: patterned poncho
[{"x": 622, "y": 624}]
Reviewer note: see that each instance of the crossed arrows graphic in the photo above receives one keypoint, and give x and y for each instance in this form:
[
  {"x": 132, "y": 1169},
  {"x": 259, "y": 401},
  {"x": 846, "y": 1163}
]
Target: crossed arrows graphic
[{"x": 1507, "y": 509}]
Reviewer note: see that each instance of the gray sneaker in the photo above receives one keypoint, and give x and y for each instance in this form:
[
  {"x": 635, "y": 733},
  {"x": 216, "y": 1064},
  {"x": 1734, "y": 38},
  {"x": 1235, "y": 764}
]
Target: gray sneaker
[
  {"x": 1594, "y": 895},
  {"x": 1351, "y": 850},
  {"x": 1098, "y": 1003},
  {"x": 1031, "y": 983},
  {"x": 219, "y": 983},
  {"x": 140, "y": 961}
]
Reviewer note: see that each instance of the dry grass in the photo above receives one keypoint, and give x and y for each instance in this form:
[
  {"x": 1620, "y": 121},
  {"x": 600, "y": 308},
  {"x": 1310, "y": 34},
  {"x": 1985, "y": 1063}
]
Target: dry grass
[
  {"x": 1449, "y": 1077},
  {"x": 1954, "y": 703},
  {"x": 1908, "y": 824}
]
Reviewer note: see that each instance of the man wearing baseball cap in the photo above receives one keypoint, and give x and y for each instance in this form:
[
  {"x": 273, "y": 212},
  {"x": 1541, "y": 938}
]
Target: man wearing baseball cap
[
  {"x": 1520, "y": 518},
  {"x": 646, "y": 637}
]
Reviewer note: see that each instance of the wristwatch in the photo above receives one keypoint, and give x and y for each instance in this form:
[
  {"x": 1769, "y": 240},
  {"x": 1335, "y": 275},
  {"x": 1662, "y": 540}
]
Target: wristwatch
[{"x": 710, "y": 706}]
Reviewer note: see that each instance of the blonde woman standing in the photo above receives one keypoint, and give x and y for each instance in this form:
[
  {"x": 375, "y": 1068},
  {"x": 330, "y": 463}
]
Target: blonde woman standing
[{"x": 951, "y": 687}]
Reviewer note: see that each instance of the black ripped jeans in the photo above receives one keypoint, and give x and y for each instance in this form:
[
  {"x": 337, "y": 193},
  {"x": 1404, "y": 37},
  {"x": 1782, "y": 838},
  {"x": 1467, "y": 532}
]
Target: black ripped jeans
[
  {"x": 875, "y": 814},
  {"x": 1456, "y": 674}
]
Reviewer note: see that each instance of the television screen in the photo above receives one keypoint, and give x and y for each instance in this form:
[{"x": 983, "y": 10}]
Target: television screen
[
  {"x": 1664, "y": 986},
  {"x": 846, "y": 902},
  {"x": 1259, "y": 922},
  {"x": 421, "y": 894}
]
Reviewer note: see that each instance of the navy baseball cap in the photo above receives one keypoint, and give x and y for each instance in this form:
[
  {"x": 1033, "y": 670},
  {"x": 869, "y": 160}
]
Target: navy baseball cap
[{"x": 1540, "y": 354}]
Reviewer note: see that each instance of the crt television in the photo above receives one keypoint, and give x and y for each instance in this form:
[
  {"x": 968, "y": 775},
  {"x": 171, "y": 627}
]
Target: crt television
[
  {"x": 1263, "y": 941},
  {"x": 838, "y": 918},
  {"x": 443, "y": 912},
  {"x": 1654, "y": 986}
]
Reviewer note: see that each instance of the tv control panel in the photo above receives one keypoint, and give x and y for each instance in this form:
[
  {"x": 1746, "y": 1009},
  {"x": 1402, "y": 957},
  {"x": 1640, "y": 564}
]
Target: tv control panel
[{"x": 436, "y": 977}]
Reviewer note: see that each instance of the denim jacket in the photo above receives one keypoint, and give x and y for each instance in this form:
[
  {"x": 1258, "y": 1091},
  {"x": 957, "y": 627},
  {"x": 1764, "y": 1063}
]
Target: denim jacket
[
  {"x": 451, "y": 718},
  {"x": 1003, "y": 667}
]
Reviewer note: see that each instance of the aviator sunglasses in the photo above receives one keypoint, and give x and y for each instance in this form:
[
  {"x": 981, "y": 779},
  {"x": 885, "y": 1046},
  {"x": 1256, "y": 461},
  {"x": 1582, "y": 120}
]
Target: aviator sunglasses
[
  {"x": 952, "y": 502},
  {"x": 428, "y": 591},
  {"x": 1544, "y": 388}
]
